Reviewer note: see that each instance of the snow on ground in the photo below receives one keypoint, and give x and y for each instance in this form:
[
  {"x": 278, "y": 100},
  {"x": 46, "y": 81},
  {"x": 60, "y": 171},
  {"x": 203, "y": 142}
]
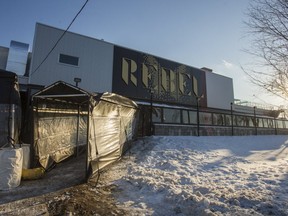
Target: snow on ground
[{"x": 245, "y": 175}]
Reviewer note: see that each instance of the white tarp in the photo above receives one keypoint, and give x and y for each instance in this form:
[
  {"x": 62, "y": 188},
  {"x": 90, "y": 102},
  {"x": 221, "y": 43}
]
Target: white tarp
[
  {"x": 112, "y": 125},
  {"x": 66, "y": 117},
  {"x": 26, "y": 155},
  {"x": 10, "y": 109},
  {"x": 11, "y": 161},
  {"x": 57, "y": 136}
]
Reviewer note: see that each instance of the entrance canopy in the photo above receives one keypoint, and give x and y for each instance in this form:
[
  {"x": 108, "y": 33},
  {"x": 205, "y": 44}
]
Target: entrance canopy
[{"x": 67, "y": 119}]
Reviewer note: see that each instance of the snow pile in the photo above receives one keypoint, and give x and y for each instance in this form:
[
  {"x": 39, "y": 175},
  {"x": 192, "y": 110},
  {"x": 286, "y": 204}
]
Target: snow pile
[{"x": 205, "y": 176}]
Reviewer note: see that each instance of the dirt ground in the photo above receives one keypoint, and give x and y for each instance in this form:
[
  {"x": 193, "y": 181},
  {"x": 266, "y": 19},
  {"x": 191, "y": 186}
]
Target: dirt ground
[
  {"x": 47, "y": 196},
  {"x": 78, "y": 200}
]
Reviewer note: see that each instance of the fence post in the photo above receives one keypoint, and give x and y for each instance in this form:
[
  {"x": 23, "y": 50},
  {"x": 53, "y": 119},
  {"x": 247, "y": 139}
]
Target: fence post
[
  {"x": 232, "y": 123},
  {"x": 255, "y": 120}
]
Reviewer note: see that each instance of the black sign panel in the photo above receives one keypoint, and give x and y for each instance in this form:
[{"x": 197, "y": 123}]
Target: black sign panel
[{"x": 137, "y": 74}]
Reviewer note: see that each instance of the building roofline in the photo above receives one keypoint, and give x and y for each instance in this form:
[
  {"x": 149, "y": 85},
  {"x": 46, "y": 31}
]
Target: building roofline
[{"x": 113, "y": 44}]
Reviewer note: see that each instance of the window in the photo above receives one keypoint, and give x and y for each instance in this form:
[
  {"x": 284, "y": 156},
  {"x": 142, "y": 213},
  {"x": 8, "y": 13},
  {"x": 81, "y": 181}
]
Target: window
[
  {"x": 67, "y": 59},
  {"x": 156, "y": 114},
  {"x": 240, "y": 121},
  {"x": 218, "y": 119},
  {"x": 185, "y": 117},
  {"x": 228, "y": 121},
  {"x": 171, "y": 115},
  {"x": 193, "y": 117},
  {"x": 285, "y": 124},
  {"x": 205, "y": 118},
  {"x": 260, "y": 122},
  {"x": 270, "y": 123},
  {"x": 265, "y": 123},
  {"x": 250, "y": 121},
  {"x": 279, "y": 123}
]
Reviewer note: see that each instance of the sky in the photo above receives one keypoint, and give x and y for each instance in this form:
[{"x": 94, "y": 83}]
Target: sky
[{"x": 199, "y": 33}]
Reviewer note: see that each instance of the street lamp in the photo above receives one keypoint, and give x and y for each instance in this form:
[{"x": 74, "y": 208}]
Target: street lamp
[
  {"x": 255, "y": 120},
  {"x": 198, "y": 119},
  {"x": 77, "y": 80},
  {"x": 151, "y": 111},
  {"x": 232, "y": 123},
  {"x": 198, "y": 98}
]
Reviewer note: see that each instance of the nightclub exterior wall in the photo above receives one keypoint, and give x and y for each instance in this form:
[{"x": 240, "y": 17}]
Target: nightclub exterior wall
[{"x": 100, "y": 66}]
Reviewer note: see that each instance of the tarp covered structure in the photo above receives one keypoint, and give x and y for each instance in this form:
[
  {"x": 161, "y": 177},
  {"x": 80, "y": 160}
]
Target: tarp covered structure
[
  {"x": 11, "y": 156},
  {"x": 67, "y": 118},
  {"x": 10, "y": 109}
]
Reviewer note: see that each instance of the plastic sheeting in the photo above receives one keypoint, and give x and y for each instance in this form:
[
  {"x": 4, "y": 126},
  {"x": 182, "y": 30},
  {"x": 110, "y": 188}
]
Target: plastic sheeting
[
  {"x": 104, "y": 141},
  {"x": 10, "y": 123},
  {"x": 10, "y": 167},
  {"x": 56, "y": 135},
  {"x": 113, "y": 124},
  {"x": 66, "y": 117},
  {"x": 10, "y": 108},
  {"x": 26, "y": 155}
]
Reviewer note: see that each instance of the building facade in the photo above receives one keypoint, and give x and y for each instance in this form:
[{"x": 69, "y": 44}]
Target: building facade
[
  {"x": 103, "y": 66},
  {"x": 175, "y": 99}
]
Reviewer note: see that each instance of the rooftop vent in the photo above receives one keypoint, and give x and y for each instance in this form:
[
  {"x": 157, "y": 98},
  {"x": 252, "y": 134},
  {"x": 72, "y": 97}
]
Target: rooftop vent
[
  {"x": 17, "y": 57},
  {"x": 207, "y": 69}
]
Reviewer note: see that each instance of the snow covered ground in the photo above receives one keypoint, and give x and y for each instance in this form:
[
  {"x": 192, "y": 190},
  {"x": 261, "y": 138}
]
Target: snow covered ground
[{"x": 245, "y": 175}]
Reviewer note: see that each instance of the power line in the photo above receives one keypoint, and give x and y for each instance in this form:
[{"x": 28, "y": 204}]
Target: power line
[{"x": 60, "y": 37}]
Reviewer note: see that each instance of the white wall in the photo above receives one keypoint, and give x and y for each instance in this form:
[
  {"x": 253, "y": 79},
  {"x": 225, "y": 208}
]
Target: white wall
[
  {"x": 95, "y": 60},
  {"x": 219, "y": 91}
]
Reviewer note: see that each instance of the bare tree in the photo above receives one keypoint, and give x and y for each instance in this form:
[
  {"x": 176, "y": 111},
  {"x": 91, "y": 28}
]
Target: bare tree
[{"x": 268, "y": 26}]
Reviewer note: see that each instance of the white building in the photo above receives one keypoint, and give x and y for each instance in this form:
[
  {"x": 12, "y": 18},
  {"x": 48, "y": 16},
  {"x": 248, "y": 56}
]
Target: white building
[
  {"x": 185, "y": 100},
  {"x": 103, "y": 66}
]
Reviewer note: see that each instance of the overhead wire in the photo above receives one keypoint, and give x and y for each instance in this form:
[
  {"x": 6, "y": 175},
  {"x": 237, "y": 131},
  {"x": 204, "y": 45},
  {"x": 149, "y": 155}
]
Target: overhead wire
[{"x": 60, "y": 37}]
